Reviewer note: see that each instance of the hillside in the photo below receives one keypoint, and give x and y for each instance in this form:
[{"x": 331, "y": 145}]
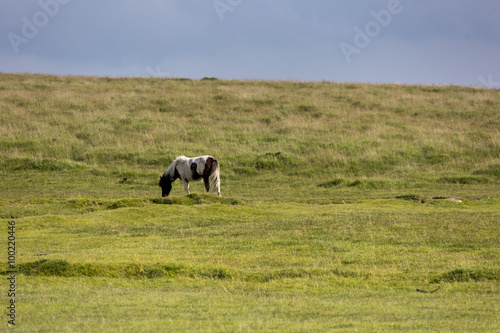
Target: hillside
[{"x": 304, "y": 131}]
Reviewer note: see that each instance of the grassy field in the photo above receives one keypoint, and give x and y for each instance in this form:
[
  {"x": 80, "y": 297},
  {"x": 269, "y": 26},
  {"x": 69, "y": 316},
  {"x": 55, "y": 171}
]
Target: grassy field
[{"x": 335, "y": 206}]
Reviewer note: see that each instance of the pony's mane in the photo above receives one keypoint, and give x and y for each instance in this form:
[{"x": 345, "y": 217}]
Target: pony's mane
[{"x": 171, "y": 169}]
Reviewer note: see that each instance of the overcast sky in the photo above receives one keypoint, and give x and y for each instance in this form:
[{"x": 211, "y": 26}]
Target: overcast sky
[{"x": 377, "y": 41}]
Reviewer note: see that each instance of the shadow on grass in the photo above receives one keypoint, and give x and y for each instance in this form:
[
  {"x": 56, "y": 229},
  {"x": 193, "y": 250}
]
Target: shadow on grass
[
  {"x": 468, "y": 275},
  {"x": 63, "y": 268},
  {"x": 195, "y": 199},
  {"x": 190, "y": 199}
]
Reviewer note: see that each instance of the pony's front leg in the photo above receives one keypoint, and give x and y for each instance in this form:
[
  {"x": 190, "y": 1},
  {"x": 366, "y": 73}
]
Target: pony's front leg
[{"x": 186, "y": 185}]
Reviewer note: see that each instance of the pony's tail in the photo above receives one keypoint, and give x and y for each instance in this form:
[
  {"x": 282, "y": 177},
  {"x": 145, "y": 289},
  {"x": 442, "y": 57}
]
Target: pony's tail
[{"x": 215, "y": 176}]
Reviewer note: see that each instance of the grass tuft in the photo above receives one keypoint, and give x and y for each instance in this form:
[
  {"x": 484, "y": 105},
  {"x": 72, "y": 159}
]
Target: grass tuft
[
  {"x": 468, "y": 275},
  {"x": 124, "y": 203},
  {"x": 40, "y": 164},
  {"x": 490, "y": 170},
  {"x": 272, "y": 161},
  {"x": 333, "y": 183},
  {"x": 63, "y": 268},
  {"x": 465, "y": 180},
  {"x": 413, "y": 197}
]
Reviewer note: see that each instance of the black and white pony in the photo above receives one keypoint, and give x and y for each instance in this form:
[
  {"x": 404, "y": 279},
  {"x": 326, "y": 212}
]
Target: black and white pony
[{"x": 189, "y": 169}]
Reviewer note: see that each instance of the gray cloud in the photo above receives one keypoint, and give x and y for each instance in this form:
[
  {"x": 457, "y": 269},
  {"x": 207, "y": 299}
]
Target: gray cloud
[{"x": 426, "y": 42}]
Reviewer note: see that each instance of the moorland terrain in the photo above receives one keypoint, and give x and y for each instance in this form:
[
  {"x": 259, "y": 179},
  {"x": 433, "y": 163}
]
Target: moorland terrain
[{"x": 335, "y": 205}]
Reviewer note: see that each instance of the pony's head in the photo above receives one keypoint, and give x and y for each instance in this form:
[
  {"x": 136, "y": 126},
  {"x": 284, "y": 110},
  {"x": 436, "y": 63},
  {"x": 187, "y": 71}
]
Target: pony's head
[{"x": 166, "y": 186}]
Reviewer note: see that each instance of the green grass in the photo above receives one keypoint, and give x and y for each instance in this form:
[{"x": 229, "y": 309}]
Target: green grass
[{"x": 334, "y": 212}]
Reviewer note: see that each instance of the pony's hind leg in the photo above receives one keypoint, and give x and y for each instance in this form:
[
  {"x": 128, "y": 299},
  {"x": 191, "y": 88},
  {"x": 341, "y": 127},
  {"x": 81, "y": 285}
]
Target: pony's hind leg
[
  {"x": 207, "y": 184},
  {"x": 218, "y": 189}
]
